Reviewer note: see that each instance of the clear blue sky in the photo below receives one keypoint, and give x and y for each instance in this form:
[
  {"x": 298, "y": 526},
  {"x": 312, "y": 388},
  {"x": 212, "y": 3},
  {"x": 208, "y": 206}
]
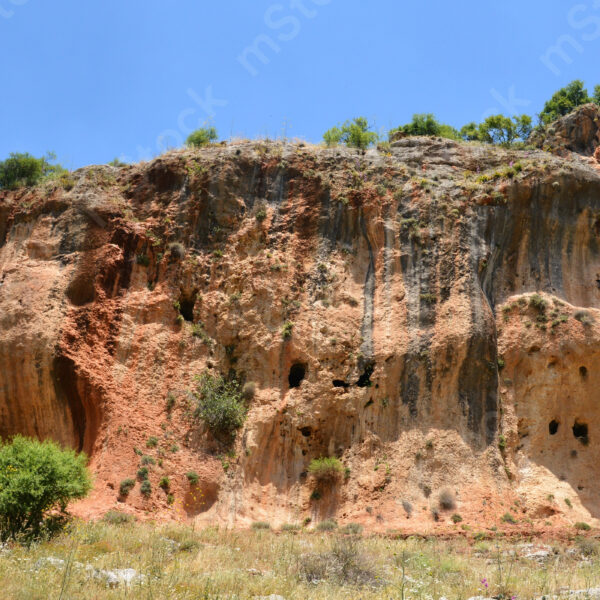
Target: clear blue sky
[{"x": 96, "y": 79}]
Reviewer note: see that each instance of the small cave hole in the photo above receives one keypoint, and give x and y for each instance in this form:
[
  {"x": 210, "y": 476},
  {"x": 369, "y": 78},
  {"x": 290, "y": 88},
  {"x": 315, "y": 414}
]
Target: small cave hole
[
  {"x": 369, "y": 403},
  {"x": 583, "y": 372},
  {"x": 297, "y": 374},
  {"x": 365, "y": 379},
  {"x": 306, "y": 431},
  {"x": 186, "y": 307},
  {"x": 339, "y": 383},
  {"x": 553, "y": 427},
  {"x": 580, "y": 431}
]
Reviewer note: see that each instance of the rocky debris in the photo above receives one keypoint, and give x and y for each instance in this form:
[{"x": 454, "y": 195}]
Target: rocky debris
[
  {"x": 52, "y": 561},
  {"x": 589, "y": 594},
  {"x": 115, "y": 577},
  {"x": 536, "y": 552},
  {"x": 111, "y": 577},
  {"x": 577, "y": 132}
]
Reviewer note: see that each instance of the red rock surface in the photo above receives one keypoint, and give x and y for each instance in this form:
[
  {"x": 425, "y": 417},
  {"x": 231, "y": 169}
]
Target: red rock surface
[{"x": 408, "y": 277}]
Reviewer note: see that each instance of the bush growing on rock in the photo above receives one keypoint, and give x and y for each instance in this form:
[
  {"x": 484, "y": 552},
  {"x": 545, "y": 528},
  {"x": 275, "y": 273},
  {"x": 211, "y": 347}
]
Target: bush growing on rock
[
  {"x": 146, "y": 488},
  {"x": 192, "y": 477},
  {"x": 126, "y": 486},
  {"x": 219, "y": 404},
  {"x": 355, "y": 134},
  {"x": 446, "y": 500},
  {"x": 202, "y": 137},
  {"x": 566, "y": 100},
  {"x": 36, "y": 478},
  {"x": 505, "y": 131},
  {"x": 426, "y": 124},
  {"x": 23, "y": 169},
  {"x": 325, "y": 468}
]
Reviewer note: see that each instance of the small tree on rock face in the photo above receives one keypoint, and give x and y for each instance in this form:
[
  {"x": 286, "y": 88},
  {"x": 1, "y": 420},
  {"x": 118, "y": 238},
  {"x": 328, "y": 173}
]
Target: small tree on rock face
[
  {"x": 504, "y": 131},
  {"x": 427, "y": 124},
  {"x": 20, "y": 170},
  {"x": 35, "y": 478},
  {"x": 325, "y": 469},
  {"x": 202, "y": 137},
  {"x": 470, "y": 132},
  {"x": 564, "y": 101},
  {"x": 355, "y": 134},
  {"x": 219, "y": 404}
]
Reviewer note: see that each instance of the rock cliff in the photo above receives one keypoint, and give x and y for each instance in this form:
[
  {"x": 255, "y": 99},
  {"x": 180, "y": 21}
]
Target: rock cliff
[{"x": 442, "y": 299}]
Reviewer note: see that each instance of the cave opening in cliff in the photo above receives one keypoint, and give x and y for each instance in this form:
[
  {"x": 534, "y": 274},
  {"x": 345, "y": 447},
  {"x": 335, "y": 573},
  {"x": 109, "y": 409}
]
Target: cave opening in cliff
[
  {"x": 580, "y": 431},
  {"x": 297, "y": 375},
  {"x": 339, "y": 383},
  {"x": 186, "y": 307},
  {"x": 553, "y": 427},
  {"x": 583, "y": 372},
  {"x": 365, "y": 379}
]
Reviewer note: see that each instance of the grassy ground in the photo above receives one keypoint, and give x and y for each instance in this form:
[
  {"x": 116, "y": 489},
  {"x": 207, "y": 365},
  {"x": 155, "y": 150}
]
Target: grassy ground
[{"x": 176, "y": 562}]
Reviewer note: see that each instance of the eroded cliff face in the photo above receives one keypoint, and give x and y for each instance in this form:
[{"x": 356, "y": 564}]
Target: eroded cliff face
[{"x": 422, "y": 284}]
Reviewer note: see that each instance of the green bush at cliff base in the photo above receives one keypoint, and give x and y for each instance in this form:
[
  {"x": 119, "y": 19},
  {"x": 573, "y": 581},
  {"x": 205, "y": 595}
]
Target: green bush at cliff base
[{"x": 36, "y": 478}]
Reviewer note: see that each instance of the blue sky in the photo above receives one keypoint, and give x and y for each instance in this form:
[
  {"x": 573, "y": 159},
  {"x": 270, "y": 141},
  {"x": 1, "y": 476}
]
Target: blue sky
[{"x": 96, "y": 79}]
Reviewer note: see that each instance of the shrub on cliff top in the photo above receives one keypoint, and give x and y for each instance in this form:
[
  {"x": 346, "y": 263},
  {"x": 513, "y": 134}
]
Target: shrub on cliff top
[
  {"x": 427, "y": 124},
  {"x": 219, "y": 404},
  {"x": 564, "y": 101},
  {"x": 36, "y": 478},
  {"x": 23, "y": 169},
  {"x": 355, "y": 134},
  {"x": 325, "y": 468},
  {"x": 202, "y": 137}
]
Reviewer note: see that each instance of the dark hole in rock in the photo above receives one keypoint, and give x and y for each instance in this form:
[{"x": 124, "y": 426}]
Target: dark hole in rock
[
  {"x": 81, "y": 290},
  {"x": 186, "y": 307},
  {"x": 340, "y": 383},
  {"x": 573, "y": 453},
  {"x": 365, "y": 379},
  {"x": 297, "y": 374},
  {"x": 306, "y": 431},
  {"x": 553, "y": 426},
  {"x": 369, "y": 403},
  {"x": 583, "y": 371},
  {"x": 580, "y": 431}
]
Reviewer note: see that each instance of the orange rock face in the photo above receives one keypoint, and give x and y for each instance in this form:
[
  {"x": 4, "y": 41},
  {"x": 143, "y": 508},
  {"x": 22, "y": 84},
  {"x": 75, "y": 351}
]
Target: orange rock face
[{"x": 418, "y": 351}]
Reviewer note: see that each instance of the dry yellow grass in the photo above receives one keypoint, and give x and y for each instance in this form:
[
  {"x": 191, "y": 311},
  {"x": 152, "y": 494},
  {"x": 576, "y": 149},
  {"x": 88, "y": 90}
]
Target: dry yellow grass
[{"x": 176, "y": 562}]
